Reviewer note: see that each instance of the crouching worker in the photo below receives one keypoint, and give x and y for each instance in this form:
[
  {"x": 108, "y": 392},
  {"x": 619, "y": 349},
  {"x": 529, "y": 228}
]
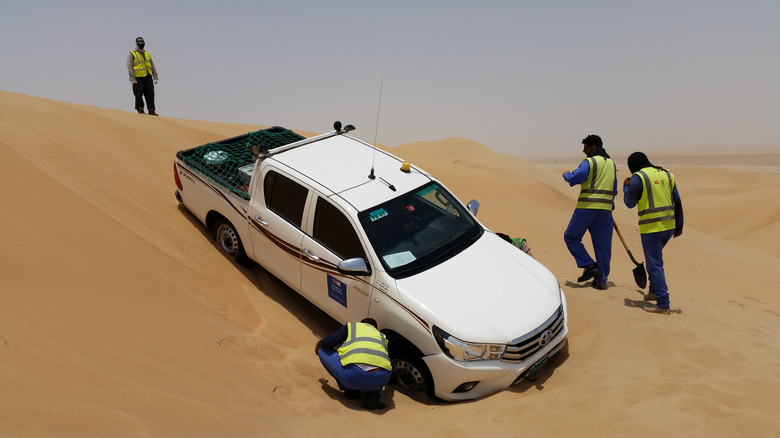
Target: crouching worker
[
  {"x": 356, "y": 356},
  {"x": 518, "y": 242}
]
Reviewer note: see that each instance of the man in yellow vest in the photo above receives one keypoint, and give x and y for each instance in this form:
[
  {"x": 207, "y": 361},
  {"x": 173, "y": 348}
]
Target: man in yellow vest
[
  {"x": 653, "y": 190},
  {"x": 518, "y": 242},
  {"x": 143, "y": 76},
  {"x": 597, "y": 178},
  {"x": 356, "y": 356}
]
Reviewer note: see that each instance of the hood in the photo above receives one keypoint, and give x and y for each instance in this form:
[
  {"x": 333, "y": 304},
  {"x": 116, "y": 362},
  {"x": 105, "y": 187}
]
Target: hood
[{"x": 491, "y": 292}]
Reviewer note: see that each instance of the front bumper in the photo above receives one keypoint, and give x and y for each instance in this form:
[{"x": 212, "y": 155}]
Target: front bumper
[{"x": 492, "y": 375}]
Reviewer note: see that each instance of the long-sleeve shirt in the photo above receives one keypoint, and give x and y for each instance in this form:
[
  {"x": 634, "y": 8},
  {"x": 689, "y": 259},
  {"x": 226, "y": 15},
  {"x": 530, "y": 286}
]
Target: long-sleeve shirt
[
  {"x": 131, "y": 62},
  {"x": 335, "y": 339},
  {"x": 633, "y": 192}
]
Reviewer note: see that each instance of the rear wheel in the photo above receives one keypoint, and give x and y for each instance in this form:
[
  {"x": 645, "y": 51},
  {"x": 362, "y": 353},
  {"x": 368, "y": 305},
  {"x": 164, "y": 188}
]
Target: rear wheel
[{"x": 228, "y": 241}]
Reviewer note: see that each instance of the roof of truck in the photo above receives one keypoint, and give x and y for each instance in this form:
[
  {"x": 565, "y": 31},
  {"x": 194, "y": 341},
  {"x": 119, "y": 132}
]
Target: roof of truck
[{"x": 342, "y": 165}]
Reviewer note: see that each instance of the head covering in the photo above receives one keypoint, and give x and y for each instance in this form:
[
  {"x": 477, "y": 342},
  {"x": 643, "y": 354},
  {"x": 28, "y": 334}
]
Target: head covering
[
  {"x": 505, "y": 237},
  {"x": 140, "y": 42},
  {"x": 370, "y": 321},
  {"x": 592, "y": 140},
  {"x": 638, "y": 161}
]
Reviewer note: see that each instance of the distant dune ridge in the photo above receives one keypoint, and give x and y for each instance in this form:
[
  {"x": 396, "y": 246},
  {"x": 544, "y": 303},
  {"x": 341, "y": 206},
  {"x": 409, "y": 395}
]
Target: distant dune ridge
[{"x": 120, "y": 318}]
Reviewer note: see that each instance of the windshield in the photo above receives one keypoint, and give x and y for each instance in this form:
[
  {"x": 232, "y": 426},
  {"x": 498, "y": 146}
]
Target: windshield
[{"x": 419, "y": 230}]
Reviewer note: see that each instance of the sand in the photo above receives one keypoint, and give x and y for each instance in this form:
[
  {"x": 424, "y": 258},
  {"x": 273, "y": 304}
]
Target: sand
[{"x": 120, "y": 318}]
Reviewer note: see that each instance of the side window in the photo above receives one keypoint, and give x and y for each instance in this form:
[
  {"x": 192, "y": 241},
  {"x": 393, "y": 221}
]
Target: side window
[
  {"x": 334, "y": 231},
  {"x": 285, "y": 197}
]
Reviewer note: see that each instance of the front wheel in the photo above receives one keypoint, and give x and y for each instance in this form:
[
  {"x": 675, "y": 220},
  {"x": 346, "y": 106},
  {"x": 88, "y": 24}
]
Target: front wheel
[
  {"x": 228, "y": 241},
  {"x": 412, "y": 375}
]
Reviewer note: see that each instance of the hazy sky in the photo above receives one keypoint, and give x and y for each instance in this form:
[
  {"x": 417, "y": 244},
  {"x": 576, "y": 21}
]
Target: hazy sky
[{"x": 521, "y": 77}]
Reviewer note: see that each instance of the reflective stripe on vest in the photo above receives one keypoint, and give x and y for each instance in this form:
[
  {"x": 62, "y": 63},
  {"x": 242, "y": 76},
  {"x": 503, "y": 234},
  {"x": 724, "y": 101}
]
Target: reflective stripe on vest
[
  {"x": 656, "y": 206},
  {"x": 518, "y": 242},
  {"x": 597, "y": 192},
  {"x": 142, "y": 64},
  {"x": 365, "y": 344}
]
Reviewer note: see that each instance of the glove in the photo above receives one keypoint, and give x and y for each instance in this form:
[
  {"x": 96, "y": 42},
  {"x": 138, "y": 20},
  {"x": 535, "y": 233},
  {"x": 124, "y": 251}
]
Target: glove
[{"x": 155, "y": 81}]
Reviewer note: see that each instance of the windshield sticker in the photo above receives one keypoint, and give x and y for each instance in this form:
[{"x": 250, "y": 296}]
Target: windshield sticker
[
  {"x": 337, "y": 290},
  {"x": 410, "y": 207},
  {"x": 427, "y": 190},
  {"x": 377, "y": 214},
  {"x": 399, "y": 259}
]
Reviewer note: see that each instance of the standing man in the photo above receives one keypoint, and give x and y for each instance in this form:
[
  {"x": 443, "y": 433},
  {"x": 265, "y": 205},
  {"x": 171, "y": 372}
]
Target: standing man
[
  {"x": 653, "y": 191},
  {"x": 143, "y": 76},
  {"x": 356, "y": 356},
  {"x": 596, "y": 175}
]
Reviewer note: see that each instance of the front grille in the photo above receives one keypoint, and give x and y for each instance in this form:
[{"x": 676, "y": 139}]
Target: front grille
[{"x": 521, "y": 348}]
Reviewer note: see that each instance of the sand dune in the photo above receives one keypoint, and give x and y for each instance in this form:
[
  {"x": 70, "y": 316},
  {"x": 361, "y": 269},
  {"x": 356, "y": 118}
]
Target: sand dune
[{"x": 120, "y": 318}]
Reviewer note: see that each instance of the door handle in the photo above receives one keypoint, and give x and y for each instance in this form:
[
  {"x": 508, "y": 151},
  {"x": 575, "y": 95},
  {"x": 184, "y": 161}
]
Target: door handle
[
  {"x": 310, "y": 255},
  {"x": 260, "y": 221}
]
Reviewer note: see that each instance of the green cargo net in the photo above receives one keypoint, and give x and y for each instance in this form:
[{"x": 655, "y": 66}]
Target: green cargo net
[{"x": 230, "y": 162}]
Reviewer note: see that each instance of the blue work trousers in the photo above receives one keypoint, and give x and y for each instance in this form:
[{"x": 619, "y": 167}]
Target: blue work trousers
[
  {"x": 653, "y": 245},
  {"x": 599, "y": 223},
  {"x": 352, "y": 376}
]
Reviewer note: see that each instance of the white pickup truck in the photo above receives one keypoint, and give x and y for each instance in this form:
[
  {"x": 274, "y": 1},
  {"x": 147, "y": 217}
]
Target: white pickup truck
[{"x": 362, "y": 233}]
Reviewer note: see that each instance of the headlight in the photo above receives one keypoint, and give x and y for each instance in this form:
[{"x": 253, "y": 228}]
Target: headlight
[{"x": 466, "y": 351}]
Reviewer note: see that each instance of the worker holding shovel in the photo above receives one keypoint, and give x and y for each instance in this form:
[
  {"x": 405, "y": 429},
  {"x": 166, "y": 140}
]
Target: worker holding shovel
[{"x": 653, "y": 190}]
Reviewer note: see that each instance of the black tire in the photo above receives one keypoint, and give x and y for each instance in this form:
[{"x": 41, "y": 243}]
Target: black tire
[
  {"x": 410, "y": 374},
  {"x": 228, "y": 241}
]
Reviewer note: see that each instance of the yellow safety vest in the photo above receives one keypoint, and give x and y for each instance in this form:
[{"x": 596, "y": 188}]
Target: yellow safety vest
[
  {"x": 656, "y": 206},
  {"x": 142, "y": 64},
  {"x": 365, "y": 344},
  {"x": 598, "y": 191}
]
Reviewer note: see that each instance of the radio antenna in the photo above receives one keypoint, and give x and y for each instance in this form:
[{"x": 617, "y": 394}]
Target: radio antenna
[
  {"x": 376, "y": 132},
  {"x": 378, "y": 109}
]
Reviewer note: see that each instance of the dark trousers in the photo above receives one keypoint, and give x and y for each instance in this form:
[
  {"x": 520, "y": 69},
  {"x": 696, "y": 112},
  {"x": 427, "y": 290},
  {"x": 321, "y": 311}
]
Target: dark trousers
[
  {"x": 653, "y": 245},
  {"x": 599, "y": 224},
  {"x": 352, "y": 376},
  {"x": 143, "y": 88}
]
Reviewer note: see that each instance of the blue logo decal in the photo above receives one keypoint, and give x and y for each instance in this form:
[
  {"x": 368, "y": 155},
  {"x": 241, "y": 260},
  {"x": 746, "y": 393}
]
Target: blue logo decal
[{"x": 337, "y": 290}]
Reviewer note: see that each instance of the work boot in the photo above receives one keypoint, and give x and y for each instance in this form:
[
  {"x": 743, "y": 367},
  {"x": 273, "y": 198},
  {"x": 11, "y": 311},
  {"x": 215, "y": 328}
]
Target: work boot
[
  {"x": 590, "y": 271},
  {"x": 371, "y": 401},
  {"x": 598, "y": 286},
  {"x": 140, "y": 111},
  {"x": 649, "y": 297},
  {"x": 152, "y": 113},
  {"x": 351, "y": 394},
  {"x": 653, "y": 308}
]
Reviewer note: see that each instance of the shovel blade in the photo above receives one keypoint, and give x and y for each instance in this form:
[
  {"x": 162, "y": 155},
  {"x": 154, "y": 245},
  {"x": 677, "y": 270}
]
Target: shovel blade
[{"x": 640, "y": 275}]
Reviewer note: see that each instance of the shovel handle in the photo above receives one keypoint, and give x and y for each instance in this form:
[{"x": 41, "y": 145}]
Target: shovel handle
[
  {"x": 624, "y": 244},
  {"x": 620, "y": 235}
]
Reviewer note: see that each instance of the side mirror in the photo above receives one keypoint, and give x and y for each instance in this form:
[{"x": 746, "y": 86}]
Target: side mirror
[
  {"x": 354, "y": 266},
  {"x": 473, "y": 206}
]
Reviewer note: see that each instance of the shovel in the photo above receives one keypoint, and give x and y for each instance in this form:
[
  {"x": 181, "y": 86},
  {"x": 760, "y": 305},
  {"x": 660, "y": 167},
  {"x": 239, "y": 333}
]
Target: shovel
[{"x": 640, "y": 275}]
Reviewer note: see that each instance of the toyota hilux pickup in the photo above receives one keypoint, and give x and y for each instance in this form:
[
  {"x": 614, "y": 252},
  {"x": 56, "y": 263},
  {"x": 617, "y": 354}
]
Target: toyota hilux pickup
[{"x": 362, "y": 233}]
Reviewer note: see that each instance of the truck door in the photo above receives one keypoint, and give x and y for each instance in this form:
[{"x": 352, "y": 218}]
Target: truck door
[
  {"x": 276, "y": 213},
  {"x": 332, "y": 238}
]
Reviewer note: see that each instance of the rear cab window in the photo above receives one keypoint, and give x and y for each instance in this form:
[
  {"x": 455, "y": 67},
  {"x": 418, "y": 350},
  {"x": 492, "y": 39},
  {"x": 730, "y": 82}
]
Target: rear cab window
[{"x": 285, "y": 197}]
